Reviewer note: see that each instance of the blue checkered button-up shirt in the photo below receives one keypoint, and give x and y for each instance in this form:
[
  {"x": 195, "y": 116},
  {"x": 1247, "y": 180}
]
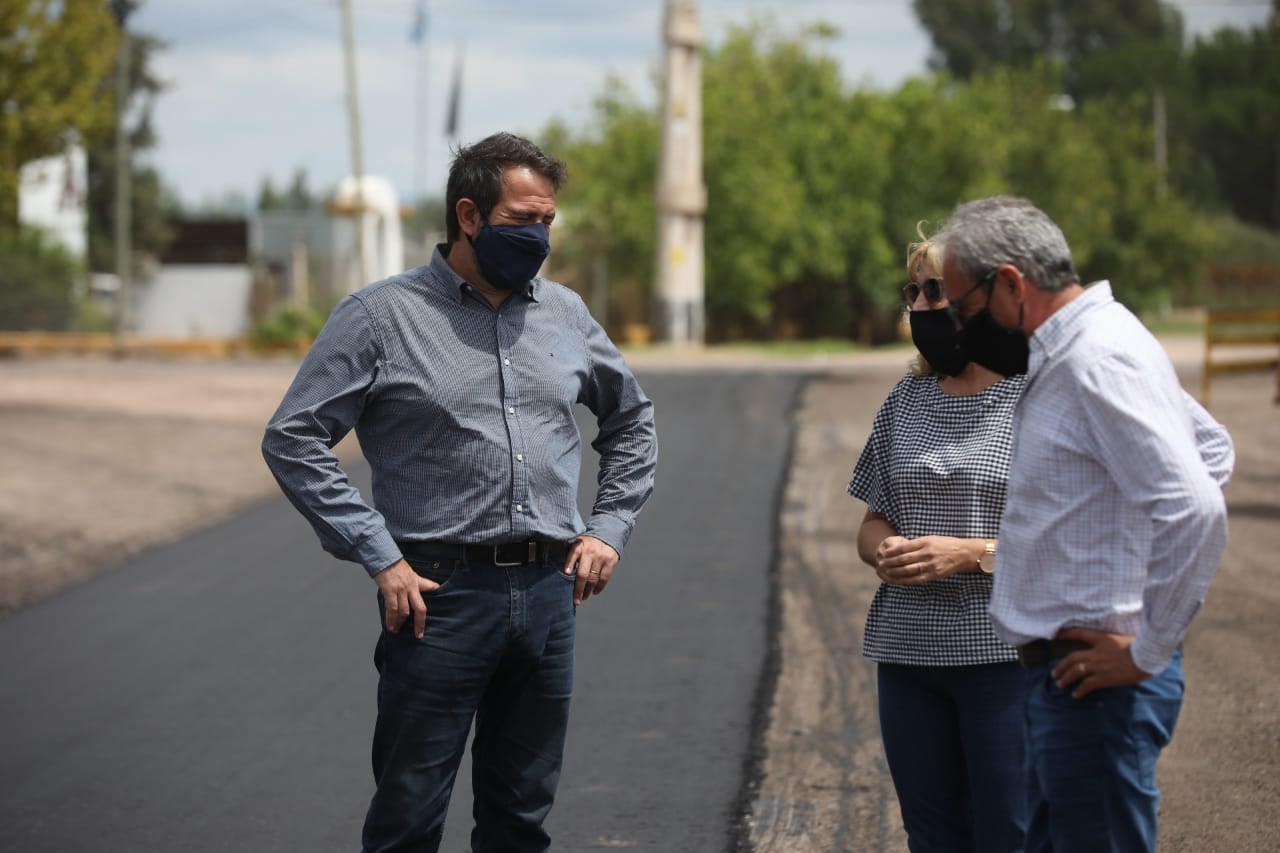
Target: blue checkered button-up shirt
[{"x": 465, "y": 413}]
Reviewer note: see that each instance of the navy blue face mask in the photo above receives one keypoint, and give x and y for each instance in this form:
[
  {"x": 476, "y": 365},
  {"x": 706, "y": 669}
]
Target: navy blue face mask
[{"x": 510, "y": 255}]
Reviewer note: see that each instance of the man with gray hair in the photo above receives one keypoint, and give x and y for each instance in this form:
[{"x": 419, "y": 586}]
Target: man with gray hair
[{"x": 1112, "y": 530}]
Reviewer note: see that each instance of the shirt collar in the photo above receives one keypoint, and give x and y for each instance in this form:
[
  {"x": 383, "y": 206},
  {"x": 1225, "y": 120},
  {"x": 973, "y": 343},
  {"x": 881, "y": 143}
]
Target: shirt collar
[
  {"x": 1065, "y": 323},
  {"x": 456, "y": 286}
]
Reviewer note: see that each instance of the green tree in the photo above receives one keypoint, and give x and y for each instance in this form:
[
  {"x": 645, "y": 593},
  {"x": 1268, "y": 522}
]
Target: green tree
[
  {"x": 268, "y": 196},
  {"x": 427, "y": 217},
  {"x": 814, "y": 191},
  {"x": 971, "y": 36},
  {"x": 53, "y": 55},
  {"x": 608, "y": 204},
  {"x": 1235, "y": 83},
  {"x": 37, "y": 278},
  {"x": 297, "y": 196},
  {"x": 152, "y": 204}
]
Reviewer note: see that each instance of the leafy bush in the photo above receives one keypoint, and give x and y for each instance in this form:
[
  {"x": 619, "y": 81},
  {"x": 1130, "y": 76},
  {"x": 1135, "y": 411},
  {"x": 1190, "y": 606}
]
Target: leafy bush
[
  {"x": 289, "y": 327},
  {"x": 37, "y": 283}
]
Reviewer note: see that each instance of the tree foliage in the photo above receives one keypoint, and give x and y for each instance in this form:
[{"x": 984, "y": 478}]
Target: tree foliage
[
  {"x": 37, "y": 280},
  {"x": 1233, "y": 83},
  {"x": 297, "y": 195},
  {"x": 151, "y": 203},
  {"x": 815, "y": 190},
  {"x": 973, "y": 36},
  {"x": 1221, "y": 94},
  {"x": 53, "y": 53}
]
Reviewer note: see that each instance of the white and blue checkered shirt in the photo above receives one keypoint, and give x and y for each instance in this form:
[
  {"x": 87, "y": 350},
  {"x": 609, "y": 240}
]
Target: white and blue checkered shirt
[
  {"x": 465, "y": 413},
  {"x": 1114, "y": 520}
]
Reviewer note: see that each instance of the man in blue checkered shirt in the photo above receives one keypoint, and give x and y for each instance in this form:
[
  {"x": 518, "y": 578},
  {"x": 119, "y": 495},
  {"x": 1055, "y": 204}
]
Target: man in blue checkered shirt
[{"x": 461, "y": 379}]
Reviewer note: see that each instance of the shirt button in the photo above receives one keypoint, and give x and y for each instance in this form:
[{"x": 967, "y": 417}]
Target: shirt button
[
  {"x": 519, "y": 508},
  {"x": 506, "y": 361},
  {"x": 511, "y": 410},
  {"x": 519, "y": 457}
]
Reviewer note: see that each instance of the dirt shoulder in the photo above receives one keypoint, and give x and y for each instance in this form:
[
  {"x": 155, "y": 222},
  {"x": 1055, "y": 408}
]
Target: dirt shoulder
[{"x": 105, "y": 458}]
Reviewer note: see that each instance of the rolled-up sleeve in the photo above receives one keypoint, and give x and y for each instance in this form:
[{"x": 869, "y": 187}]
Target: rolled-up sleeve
[
  {"x": 1146, "y": 439},
  {"x": 627, "y": 439},
  {"x": 322, "y": 405}
]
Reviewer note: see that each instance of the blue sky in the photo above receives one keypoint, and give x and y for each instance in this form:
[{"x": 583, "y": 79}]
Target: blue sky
[{"x": 257, "y": 87}]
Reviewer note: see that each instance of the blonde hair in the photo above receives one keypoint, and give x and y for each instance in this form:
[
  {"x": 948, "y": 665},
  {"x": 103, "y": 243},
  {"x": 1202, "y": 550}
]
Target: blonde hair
[{"x": 923, "y": 252}]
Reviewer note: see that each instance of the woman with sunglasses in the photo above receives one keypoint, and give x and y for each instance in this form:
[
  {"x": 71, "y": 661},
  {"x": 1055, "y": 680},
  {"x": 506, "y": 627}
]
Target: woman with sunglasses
[{"x": 933, "y": 476}]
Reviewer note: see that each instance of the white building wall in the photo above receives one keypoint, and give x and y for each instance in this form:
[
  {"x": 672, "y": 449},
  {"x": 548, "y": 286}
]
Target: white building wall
[
  {"x": 53, "y": 195},
  {"x": 195, "y": 301}
]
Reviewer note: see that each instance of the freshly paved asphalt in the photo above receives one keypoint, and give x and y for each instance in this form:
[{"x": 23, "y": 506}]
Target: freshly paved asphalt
[{"x": 217, "y": 694}]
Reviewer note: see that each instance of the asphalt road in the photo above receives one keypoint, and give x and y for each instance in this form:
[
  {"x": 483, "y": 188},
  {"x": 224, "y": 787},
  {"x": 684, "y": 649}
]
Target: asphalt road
[{"x": 217, "y": 694}]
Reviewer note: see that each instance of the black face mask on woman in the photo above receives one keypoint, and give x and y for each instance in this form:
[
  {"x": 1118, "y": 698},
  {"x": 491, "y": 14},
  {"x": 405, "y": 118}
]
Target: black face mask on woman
[
  {"x": 934, "y": 333},
  {"x": 986, "y": 342}
]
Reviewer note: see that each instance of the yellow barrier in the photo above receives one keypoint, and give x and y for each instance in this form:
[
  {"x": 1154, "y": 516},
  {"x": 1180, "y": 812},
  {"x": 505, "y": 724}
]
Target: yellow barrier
[
  {"x": 1257, "y": 327},
  {"x": 103, "y": 343}
]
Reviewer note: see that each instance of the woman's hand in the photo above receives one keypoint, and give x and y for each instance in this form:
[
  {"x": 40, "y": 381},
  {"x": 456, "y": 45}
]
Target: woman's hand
[{"x": 911, "y": 562}]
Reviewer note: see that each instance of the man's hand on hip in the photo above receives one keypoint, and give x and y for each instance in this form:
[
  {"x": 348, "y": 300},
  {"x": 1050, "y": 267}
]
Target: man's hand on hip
[
  {"x": 595, "y": 560},
  {"x": 402, "y": 590},
  {"x": 1107, "y": 663}
]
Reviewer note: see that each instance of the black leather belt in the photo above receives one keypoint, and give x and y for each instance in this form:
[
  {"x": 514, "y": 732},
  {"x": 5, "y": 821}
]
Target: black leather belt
[
  {"x": 1040, "y": 652},
  {"x": 503, "y": 554}
]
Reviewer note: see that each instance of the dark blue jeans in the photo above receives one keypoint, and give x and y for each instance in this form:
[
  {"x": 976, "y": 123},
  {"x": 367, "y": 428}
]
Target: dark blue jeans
[
  {"x": 954, "y": 742},
  {"x": 498, "y": 648},
  {"x": 1093, "y": 762}
]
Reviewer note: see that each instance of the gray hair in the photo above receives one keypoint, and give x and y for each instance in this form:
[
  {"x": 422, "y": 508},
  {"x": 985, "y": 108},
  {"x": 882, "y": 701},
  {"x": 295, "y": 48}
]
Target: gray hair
[{"x": 983, "y": 234}]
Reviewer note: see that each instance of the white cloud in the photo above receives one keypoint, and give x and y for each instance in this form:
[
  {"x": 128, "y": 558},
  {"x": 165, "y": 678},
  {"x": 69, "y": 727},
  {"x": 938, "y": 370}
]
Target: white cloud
[{"x": 258, "y": 86}]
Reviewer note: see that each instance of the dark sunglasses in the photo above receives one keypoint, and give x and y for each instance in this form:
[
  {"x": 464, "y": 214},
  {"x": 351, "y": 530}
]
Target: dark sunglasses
[
  {"x": 932, "y": 288},
  {"x": 956, "y": 308}
]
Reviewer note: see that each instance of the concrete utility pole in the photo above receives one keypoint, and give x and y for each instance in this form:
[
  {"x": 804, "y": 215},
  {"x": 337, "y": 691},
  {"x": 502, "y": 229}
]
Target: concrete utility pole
[
  {"x": 1160, "y": 120},
  {"x": 681, "y": 196},
  {"x": 123, "y": 208},
  {"x": 357, "y": 157},
  {"x": 420, "y": 105}
]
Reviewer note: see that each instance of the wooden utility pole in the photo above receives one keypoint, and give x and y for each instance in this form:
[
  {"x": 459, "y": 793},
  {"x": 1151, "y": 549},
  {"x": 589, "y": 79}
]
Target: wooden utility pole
[
  {"x": 681, "y": 196},
  {"x": 124, "y": 172},
  {"x": 357, "y": 157}
]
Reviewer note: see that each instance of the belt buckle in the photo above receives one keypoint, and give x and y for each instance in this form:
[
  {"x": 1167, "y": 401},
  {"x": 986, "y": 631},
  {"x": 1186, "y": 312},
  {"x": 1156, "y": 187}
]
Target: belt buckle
[{"x": 531, "y": 554}]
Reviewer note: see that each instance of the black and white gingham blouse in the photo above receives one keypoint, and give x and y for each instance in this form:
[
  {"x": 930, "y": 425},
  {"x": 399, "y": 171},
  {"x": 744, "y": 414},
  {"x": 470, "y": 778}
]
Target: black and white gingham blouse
[{"x": 937, "y": 464}]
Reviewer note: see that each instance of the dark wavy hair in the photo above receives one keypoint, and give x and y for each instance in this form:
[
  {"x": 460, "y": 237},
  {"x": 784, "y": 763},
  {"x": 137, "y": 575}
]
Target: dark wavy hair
[{"x": 477, "y": 169}]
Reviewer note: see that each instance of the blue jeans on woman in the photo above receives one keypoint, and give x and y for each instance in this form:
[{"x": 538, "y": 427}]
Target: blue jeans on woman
[
  {"x": 498, "y": 648},
  {"x": 954, "y": 740},
  {"x": 1093, "y": 762}
]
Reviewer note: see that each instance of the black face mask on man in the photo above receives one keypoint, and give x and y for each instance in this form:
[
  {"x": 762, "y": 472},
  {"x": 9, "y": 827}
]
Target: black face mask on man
[
  {"x": 509, "y": 256},
  {"x": 986, "y": 342},
  {"x": 935, "y": 334}
]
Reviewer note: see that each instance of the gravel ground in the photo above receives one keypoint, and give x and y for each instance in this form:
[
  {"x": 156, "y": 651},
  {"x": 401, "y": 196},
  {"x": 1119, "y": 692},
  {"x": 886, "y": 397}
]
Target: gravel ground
[{"x": 104, "y": 458}]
